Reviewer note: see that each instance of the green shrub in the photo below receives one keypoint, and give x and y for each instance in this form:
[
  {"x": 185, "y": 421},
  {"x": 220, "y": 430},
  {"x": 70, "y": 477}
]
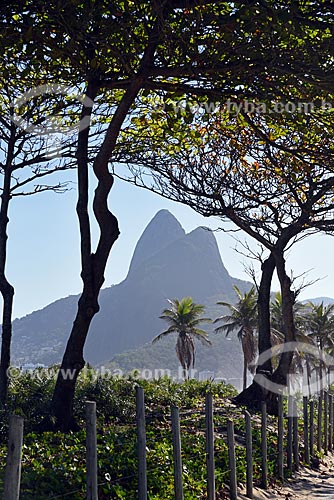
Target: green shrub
[{"x": 53, "y": 464}]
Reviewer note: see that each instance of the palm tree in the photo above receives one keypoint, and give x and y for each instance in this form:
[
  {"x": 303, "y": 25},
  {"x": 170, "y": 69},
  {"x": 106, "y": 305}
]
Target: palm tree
[
  {"x": 301, "y": 357},
  {"x": 276, "y": 315},
  {"x": 320, "y": 325},
  {"x": 183, "y": 318},
  {"x": 242, "y": 318}
]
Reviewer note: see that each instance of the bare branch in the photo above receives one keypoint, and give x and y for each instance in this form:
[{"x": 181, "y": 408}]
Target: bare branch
[{"x": 60, "y": 188}]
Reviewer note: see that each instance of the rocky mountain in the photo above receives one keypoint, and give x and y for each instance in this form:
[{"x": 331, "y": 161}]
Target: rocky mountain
[
  {"x": 163, "y": 230},
  {"x": 187, "y": 265},
  {"x": 167, "y": 263}
]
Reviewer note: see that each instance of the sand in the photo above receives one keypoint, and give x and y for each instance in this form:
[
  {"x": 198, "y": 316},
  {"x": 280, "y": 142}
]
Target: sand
[{"x": 307, "y": 484}]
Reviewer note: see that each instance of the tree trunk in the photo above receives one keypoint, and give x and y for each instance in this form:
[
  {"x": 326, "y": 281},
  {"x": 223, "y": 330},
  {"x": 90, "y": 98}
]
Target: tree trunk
[
  {"x": 73, "y": 362},
  {"x": 6, "y": 289},
  {"x": 7, "y": 292},
  {"x": 288, "y": 299},
  {"x": 253, "y": 395},
  {"x": 264, "y": 341},
  {"x": 92, "y": 274},
  {"x": 93, "y": 264}
]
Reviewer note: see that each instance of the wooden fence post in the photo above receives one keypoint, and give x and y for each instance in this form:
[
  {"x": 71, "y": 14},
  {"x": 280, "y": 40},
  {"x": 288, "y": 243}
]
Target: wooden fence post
[
  {"x": 91, "y": 451},
  {"x": 231, "y": 459},
  {"x": 264, "y": 448},
  {"x": 306, "y": 431},
  {"x": 312, "y": 428},
  {"x": 290, "y": 434},
  {"x": 210, "y": 453},
  {"x": 333, "y": 424},
  {"x": 330, "y": 422},
  {"x": 249, "y": 456},
  {"x": 141, "y": 439},
  {"x": 295, "y": 436},
  {"x": 326, "y": 422},
  {"x": 14, "y": 455},
  {"x": 319, "y": 436},
  {"x": 280, "y": 432},
  {"x": 178, "y": 483}
]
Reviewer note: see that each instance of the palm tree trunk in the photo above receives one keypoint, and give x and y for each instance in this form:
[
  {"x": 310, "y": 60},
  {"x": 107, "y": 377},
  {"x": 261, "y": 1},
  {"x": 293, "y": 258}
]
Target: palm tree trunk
[
  {"x": 245, "y": 374},
  {"x": 308, "y": 373},
  {"x": 318, "y": 380},
  {"x": 321, "y": 380}
]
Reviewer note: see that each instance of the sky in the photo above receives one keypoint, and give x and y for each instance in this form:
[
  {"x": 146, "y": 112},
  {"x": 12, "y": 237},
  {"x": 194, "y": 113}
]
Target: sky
[{"x": 44, "y": 252}]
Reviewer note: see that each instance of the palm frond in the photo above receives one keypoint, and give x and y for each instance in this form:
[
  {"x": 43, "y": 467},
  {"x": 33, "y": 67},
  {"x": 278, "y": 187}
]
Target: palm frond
[
  {"x": 171, "y": 329},
  {"x": 227, "y": 328},
  {"x": 202, "y": 336}
]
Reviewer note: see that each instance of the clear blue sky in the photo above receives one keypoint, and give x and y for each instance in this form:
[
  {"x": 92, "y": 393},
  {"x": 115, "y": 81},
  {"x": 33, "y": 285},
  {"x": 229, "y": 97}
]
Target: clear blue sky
[{"x": 43, "y": 254}]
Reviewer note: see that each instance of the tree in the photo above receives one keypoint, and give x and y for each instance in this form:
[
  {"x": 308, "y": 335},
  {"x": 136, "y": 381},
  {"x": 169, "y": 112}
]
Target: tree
[
  {"x": 158, "y": 47},
  {"x": 242, "y": 318},
  {"x": 308, "y": 209},
  {"x": 28, "y": 158},
  {"x": 281, "y": 75},
  {"x": 115, "y": 52},
  {"x": 265, "y": 178},
  {"x": 119, "y": 51},
  {"x": 183, "y": 318}
]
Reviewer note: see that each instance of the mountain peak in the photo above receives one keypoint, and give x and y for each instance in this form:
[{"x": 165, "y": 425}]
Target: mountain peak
[
  {"x": 164, "y": 213},
  {"x": 162, "y": 230}
]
